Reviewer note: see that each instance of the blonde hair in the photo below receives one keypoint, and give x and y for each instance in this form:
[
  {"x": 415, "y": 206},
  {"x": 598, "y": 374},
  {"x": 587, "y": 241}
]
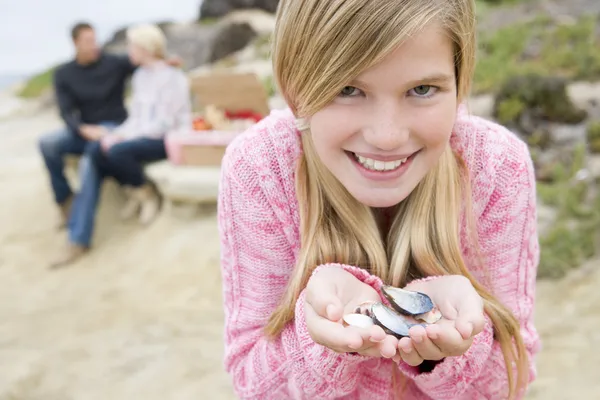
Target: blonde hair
[
  {"x": 321, "y": 45},
  {"x": 150, "y": 38}
]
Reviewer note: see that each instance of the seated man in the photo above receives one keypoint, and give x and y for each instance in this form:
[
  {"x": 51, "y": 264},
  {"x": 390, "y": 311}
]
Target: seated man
[
  {"x": 90, "y": 91},
  {"x": 160, "y": 104}
]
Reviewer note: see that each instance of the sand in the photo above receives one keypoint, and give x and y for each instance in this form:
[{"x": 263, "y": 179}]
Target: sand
[{"x": 141, "y": 316}]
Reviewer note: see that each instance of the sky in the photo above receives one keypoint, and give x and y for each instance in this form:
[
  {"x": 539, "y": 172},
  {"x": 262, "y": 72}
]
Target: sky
[{"x": 34, "y": 34}]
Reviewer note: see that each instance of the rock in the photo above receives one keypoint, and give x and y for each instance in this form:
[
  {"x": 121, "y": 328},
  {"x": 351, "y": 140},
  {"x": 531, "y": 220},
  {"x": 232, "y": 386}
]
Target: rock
[
  {"x": 197, "y": 44},
  {"x": 185, "y": 184},
  {"x": 220, "y": 8},
  {"x": 552, "y": 163},
  {"x": 567, "y": 135},
  {"x": 593, "y": 166},
  {"x": 231, "y": 38},
  {"x": 527, "y": 101}
]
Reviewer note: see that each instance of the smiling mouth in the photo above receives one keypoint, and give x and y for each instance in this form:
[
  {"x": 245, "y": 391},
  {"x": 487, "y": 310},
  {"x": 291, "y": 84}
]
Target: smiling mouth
[{"x": 380, "y": 166}]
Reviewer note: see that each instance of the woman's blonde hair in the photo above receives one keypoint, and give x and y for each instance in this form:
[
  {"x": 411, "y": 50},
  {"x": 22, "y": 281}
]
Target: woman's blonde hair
[
  {"x": 319, "y": 46},
  {"x": 150, "y": 38}
]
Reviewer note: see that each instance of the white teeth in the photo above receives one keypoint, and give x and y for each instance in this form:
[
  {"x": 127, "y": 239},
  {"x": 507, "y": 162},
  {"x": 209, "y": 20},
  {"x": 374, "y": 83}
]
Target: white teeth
[{"x": 377, "y": 165}]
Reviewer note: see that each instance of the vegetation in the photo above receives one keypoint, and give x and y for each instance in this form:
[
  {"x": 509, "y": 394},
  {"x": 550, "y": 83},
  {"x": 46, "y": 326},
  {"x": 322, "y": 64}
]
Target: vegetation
[
  {"x": 37, "y": 84},
  {"x": 593, "y": 136},
  {"x": 575, "y": 234},
  {"x": 540, "y": 46}
]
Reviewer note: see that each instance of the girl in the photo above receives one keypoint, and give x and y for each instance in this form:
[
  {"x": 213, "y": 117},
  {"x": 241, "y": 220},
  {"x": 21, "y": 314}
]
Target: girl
[{"x": 376, "y": 174}]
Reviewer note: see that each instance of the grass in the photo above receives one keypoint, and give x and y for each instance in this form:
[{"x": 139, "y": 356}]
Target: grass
[
  {"x": 37, "y": 84},
  {"x": 575, "y": 234},
  {"x": 540, "y": 46}
]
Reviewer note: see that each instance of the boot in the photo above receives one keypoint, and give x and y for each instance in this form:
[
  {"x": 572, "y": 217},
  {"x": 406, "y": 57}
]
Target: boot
[
  {"x": 65, "y": 212},
  {"x": 150, "y": 203},
  {"x": 132, "y": 206},
  {"x": 71, "y": 253}
]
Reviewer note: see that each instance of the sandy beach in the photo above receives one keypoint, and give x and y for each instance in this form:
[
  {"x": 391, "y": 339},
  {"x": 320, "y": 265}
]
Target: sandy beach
[{"x": 141, "y": 316}]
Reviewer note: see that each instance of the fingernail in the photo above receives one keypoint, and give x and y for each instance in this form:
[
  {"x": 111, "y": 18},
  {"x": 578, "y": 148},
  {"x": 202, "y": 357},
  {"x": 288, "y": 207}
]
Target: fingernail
[
  {"x": 417, "y": 339},
  {"x": 407, "y": 351}
]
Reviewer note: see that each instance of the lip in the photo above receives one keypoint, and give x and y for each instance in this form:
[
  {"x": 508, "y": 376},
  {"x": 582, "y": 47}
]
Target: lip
[
  {"x": 381, "y": 176},
  {"x": 379, "y": 157}
]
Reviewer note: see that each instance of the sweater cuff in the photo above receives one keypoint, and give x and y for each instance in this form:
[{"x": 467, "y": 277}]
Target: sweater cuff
[
  {"x": 454, "y": 374},
  {"x": 324, "y": 361},
  {"x": 359, "y": 273}
]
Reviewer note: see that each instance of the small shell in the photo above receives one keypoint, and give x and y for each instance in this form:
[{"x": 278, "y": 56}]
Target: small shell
[
  {"x": 358, "y": 320},
  {"x": 406, "y": 301},
  {"x": 430, "y": 317},
  {"x": 393, "y": 323}
]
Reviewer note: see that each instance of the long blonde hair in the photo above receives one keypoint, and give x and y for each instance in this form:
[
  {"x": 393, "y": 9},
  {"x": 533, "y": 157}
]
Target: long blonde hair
[{"x": 318, "y": 47}]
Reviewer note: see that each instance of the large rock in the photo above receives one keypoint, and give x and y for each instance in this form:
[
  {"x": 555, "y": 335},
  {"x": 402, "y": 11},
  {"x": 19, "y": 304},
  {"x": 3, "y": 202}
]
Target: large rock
[
  {"x": 541, "y": 110},
  {"x": 219, "y": 8},
  {"x": 527, "y": 100},
  {"x": 197, "y": 44}
]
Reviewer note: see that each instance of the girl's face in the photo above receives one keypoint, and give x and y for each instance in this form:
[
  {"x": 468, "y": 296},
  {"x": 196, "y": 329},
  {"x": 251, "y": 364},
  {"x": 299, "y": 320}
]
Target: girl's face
[{"x": 389, "y": 127}]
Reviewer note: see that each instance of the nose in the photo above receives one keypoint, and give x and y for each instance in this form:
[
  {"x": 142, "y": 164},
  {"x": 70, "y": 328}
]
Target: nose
[{"x": 388, "y": 129}]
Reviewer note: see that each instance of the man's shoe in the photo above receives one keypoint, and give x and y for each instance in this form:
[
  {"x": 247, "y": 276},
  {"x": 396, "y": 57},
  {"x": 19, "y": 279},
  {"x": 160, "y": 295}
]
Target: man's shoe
[
  {"x": 71, "y": 253},
  {"x": 65, "y": 212}
]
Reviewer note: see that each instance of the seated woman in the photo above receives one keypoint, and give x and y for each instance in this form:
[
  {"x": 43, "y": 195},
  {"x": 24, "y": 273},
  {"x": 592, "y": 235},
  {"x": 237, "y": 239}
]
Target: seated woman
[{"x": 160, "y": 104}]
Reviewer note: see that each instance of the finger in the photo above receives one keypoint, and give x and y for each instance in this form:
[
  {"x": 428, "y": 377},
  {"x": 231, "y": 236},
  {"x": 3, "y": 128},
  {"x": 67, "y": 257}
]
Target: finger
[
  {"x": 324, "y": 301},
  {"x": 387, "y": 348},
  {"x": 377, "y": 334},
  {"x": 471, "y": 325},
  {"x": 470, "y": 319},
  {"x": 407, "y": 352},
  {"x": 424, "y": 345},
  {"x": 448, "y": 340},
  {"x": 333, "y": 334}
]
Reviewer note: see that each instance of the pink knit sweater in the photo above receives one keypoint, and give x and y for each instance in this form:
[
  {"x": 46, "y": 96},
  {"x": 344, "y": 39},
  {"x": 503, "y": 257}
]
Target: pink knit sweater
[{"x": 259, "y": 227}]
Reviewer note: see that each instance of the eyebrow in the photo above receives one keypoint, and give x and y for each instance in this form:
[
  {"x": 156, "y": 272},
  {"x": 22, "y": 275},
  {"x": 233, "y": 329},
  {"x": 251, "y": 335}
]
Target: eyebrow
[{"x": 433, "y": 79}]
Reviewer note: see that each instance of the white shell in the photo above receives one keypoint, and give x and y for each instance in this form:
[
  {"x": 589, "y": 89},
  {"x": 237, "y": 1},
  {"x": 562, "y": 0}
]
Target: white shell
[{"x": 358, "y": 320}]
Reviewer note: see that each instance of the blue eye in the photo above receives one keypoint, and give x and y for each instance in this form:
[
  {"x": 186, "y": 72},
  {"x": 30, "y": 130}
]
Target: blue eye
[
  {"x": 349, "y": 91},
  {"x": 424, "y": 90}
]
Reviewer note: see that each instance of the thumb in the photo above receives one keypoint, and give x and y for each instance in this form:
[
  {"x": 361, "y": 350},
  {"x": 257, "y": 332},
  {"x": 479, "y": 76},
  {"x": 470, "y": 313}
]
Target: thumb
[
  {"x": 322, "y": 299},
  {"x": 327, "y": 306},
  {"x": 470, "y": 320}
]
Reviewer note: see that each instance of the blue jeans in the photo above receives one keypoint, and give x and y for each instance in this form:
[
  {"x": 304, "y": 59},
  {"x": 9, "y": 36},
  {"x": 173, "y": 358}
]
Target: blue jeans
[
  {"x": 54, "y": 147},
  {"x": 123, "y": 162}
]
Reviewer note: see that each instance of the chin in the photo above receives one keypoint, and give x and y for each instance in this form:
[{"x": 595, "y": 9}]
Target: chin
[{"x": 380, "y": 199}]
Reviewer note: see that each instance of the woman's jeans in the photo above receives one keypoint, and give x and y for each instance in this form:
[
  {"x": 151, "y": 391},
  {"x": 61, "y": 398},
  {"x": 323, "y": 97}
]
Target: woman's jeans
[{"x": 125, "y": 162}]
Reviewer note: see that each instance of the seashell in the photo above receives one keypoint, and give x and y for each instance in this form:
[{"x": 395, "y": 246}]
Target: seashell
[
  {"x": 430, "y": 317},
  {"x": 408, "y": 302},
  {"x": 392, "y": 322},
  {"x": 359, "y": 320}
]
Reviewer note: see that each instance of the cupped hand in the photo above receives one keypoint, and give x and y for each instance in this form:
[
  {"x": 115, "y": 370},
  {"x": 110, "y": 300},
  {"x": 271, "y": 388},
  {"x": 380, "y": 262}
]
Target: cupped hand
[
  {"x": 462, "y": 319},
  {"x": 330, "y": 294}
]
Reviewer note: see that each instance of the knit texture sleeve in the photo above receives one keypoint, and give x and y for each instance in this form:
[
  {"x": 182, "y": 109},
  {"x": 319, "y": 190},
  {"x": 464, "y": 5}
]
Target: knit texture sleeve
[
  {"x": 256, "y": 262},
  {"x": 510, "y": 249}
]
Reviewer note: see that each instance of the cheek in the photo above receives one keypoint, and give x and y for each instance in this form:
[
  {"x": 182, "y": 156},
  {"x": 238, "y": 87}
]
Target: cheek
[
  {"x": 331, "y": 129},
  {"x": 433, "y": 126}
]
